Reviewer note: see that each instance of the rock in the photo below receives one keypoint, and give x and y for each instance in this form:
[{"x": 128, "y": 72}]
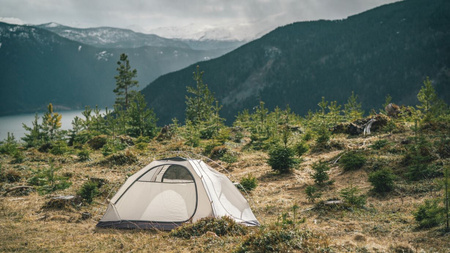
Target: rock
[
  {"x": 392, "y": 110},
  {"x": 86, "y": 215}
]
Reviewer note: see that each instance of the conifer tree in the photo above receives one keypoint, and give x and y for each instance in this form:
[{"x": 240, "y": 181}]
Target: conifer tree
[
  {"x": 353, "y": 109},
  {"x": 35, "y": 136},
  {"x": 142, "y": 121},
  {"x": 51, "y": 122},
  {"x": 125, "y": 82},
  {"x": 199, "y": 106}
]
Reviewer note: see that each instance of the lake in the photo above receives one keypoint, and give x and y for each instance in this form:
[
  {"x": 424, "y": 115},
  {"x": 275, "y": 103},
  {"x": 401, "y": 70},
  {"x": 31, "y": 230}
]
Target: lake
[{"x": 13, "y": 123}]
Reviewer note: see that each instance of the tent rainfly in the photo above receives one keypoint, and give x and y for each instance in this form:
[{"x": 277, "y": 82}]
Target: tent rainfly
[{"x": 172, "y": 191}]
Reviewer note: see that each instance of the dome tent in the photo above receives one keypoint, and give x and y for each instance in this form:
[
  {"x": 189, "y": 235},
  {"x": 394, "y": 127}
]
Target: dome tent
[{"x": 172, "y": 191}]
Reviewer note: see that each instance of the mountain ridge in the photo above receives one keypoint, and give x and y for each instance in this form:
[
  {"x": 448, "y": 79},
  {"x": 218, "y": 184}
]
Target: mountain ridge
[{"x": 388, "y": 50}]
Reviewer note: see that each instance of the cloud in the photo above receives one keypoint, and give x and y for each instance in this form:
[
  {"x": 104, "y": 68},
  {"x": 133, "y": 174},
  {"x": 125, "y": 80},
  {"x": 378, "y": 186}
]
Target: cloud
[{"x": 150, "y": 14}]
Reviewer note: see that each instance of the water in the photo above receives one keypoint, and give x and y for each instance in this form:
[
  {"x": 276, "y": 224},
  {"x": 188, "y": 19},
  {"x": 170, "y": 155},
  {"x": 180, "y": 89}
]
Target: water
[{"x": 13, "y": 124}]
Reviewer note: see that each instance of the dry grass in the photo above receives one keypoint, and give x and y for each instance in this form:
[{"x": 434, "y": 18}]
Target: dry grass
[{"x": 386, "y": 225}]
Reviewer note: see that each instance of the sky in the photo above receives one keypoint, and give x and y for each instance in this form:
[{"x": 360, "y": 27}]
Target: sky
[{"x": 244, "y": 17}]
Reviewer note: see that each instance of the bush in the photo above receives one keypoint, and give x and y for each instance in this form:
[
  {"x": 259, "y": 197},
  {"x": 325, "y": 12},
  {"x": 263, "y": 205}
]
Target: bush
[
  {"x": 320, "y": 175},
  {"x": 59, "y": 148},
  {"x": 46, "y": 180},
  {"x": 351, "y": 197},
  {"x": 248, "y": 183},
  {"x": 312, "y": 193},
  {"x": 421, "y": 171},
  {"x": 430, "y": 214},
  {"x": 84, "y": 155},
  {"x": 379, "y": 144},
  {"x": 220, "y": 226},
  {"x": 280, "y": 240},
  {"x": 229, "y": 157},
  {"x": 301, "y": 148},
  {"x": 88, "y": 191},
  {"x": 282, "y": 160},
  {"x": 352, "y": 161},
  {"x": 382, "y": 180},
  {"x": 9, "y": 146},
  {"x": 18, "y": 157}
]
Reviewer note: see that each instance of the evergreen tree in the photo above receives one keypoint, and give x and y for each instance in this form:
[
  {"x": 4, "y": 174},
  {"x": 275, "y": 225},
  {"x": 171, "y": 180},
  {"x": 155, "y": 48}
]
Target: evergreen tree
[
  {"x": 353, "y": 109},
  {"x": 142, "y": 121},
  {"x": 125, "y": 82},
  {"x": 51, "y": 122},
  {"x": 199, "y": 106},
  {"x": 430, "y": 104},
  {"x": 35, "y": 136}
]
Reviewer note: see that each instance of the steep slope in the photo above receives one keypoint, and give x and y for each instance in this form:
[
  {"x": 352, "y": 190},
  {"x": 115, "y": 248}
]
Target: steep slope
[
  {"x": 387, "y": 50},
  {"x": 39, "y": 67}
]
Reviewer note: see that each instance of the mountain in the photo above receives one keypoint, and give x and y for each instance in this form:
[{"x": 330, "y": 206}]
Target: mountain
[
  {"x": 387, "y": 50},
  {"x": 41, "y": 67},
  {"x": 109, "y": 37}
]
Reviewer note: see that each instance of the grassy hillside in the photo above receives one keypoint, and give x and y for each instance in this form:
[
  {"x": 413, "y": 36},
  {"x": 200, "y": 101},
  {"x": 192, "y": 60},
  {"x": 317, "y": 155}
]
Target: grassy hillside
[{"x": 365, "y": 221}]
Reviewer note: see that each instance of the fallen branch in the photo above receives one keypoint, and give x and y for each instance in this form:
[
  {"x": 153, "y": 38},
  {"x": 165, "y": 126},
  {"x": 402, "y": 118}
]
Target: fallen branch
[{"x": 15, "y": 188}]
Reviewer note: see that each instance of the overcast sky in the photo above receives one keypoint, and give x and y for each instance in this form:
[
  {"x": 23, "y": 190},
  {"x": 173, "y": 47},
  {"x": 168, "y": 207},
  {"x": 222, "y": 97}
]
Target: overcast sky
[{"x": 147, "y": 15}]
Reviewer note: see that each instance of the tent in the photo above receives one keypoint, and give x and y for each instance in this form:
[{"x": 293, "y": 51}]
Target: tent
[{"x": 172, "y": 191}]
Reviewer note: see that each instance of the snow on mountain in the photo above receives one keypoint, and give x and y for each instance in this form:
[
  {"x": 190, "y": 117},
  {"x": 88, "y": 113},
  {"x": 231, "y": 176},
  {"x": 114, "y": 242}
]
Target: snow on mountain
[{"x": 207, "y": 32}]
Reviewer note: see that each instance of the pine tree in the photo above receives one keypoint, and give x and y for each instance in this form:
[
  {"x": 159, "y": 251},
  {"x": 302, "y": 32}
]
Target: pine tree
[
  {"x": 142, "y": 121},
  {"x": 125, "y": 82},
  {"x": 353, "y": 109},
  {"x": 430, "y": 104},
  {"x": 51, "y": 122},
  {"x": 199, "y": 106},
  {"x": 35, "y": 136}
]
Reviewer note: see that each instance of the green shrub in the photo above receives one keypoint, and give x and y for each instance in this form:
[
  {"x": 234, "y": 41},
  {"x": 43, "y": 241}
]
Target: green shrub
[
  {"x": 301, "y": 148},
  {"x": 88, "y": 191},
  {"x": 352, "y": 161},
  {"x": 248, "y": 183},
  {"x": 229, "y": 157},
  {"x": 59, "y": 148},
  {"x": 47, "y": 181},
  {"x": 220, "y": 226},
  {"x": 382, "y": 180},
  {"x": 9, "y": 146},
  {"x": 279, "y": 239},
  {"x": 18, "y": 157},
  {"x": 84, "y": 155},
  {"x": 352, "y": 198},
  {"x": 281, "y": 159},
  {"x": 323, "y": 135},
  {"x": 429, "y": 214},
  {"x": 321, "y": 173},
  {"x": 421, "y": 171},
  {"x": 312, "y": 193},
  {"x": 379, "y": 144}
]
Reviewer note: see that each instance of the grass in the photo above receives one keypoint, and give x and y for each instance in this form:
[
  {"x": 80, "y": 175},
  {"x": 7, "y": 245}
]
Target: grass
[{"x": 386, "y": 224}]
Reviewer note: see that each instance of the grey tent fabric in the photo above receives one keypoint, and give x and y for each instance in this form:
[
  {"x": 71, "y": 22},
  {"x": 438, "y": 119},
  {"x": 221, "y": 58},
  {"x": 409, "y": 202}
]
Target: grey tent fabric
[{"x": 169, "y": 192}]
